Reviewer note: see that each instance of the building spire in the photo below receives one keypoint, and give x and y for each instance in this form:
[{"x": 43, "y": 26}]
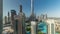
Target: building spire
[
  {"x": 8, "y": 16},
  {"x": 32, "y": 7},
  {"x": 20, "y": 8},
  {"x": 32, "y": 16}
]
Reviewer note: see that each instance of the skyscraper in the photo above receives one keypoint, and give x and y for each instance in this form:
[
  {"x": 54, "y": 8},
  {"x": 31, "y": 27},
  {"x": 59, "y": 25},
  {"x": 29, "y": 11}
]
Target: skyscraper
[
  {"x": 33, "y": 27},
  {"x": 5, "y": 20},
  {"x": 21, "y": 22},
  {"x": 13, "y": 13},
  {"x": 9, "y": 21},
  {"x": 32, "y": 19},
  {"x": 32, "y": 16},
  {"x": 1, "y": 16},
  {"x": 51, "y": 26}
]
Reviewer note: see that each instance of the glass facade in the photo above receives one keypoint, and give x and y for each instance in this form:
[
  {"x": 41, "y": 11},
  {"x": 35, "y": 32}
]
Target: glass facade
[{"x": 16, "y": 26}]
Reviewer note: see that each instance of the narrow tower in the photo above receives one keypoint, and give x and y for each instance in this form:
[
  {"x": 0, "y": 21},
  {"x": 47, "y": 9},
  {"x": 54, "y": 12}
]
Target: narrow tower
[
  {"x": 1, "y": 16},
  {"x": 8, "y": 18},
  {"x": 20, "y": 8},
  {"x": 32, "y": 7},
  {"x": 5, "y": 20},
  {"x": 32, "y": 16}
]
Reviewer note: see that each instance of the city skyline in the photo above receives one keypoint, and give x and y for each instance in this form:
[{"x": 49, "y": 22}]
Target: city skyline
[{"x": 49, "y": 7}]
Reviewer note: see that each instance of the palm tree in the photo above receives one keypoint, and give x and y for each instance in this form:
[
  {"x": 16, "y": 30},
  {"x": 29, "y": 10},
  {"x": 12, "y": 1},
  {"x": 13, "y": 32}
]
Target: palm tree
[{"x": 28, "y": 28}]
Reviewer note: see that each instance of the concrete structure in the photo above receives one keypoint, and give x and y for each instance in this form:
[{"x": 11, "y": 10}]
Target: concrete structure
[
  {"x": 7, "y": 30},
  {"x": 13, "y": 13},
  {"x": 57, "y": 26},
  {"x": 51, "y": 26},
  {"x": 33, "y": 27}
]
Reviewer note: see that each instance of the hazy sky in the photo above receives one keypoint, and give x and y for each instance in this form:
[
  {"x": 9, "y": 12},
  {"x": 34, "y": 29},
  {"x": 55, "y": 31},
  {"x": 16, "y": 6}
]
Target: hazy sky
[{"x": 51, "y": 7}]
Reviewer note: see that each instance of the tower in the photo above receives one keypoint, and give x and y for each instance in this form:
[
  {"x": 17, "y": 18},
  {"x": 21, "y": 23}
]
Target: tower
[
  {"x": 32, "y": 7},
  {"x": 13, "y": 13},
  {"x": 1, "y": 16},
  {"x": 9, "y": 21},
  {"x": 5, "y": 20},
  {"x": 8, "y": 16},
  {"x": 20, "y": 8},
  {"x": 21, "y": 22},
  {"x": 32, "y": 16},
  {"x": 32, "y": 19}
]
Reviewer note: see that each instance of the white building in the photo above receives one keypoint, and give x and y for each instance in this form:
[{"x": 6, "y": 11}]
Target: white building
[
  {"x": 33, "y": 27},
  {"x": 57, "y": 25},
  {"x": 51, "y": 26}
]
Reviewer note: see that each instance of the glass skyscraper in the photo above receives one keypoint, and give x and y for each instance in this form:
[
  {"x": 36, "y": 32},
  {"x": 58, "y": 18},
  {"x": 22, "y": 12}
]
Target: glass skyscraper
[{"x": 1, "y": 16}]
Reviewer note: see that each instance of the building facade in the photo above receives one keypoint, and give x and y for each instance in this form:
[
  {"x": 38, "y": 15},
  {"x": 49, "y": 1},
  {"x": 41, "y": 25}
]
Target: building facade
[
  {"x": 20, "y": 22},
  {"x": 51, "y": 26},
  {"x": 1, "y": 16},
  {"x": 13, "y": 13}
]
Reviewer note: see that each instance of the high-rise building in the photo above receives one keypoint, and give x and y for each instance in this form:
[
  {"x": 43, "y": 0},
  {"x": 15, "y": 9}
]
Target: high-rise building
[
  {"x": 33, "y": 19},
  {"x": 9, "y": 20},
  {"x": 13, "y": 13},
  {"x": 1, "y": 16},
  {"x": 51, "y": 26},
  {"x": 43, "y": 17},
  {"x": 7, "y": 25},
  {"x": 33, "y": 27},
  {"x": 21, "y": 22},
  {"x": 6, "y": 20}
]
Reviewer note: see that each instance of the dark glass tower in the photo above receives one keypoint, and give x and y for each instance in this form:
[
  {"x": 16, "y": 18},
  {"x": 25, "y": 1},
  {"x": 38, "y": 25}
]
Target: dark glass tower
[
  {"x": 1, "y": 16},
  {"x": 9, "y": 20},
  {"x": 13, "y": 13}
]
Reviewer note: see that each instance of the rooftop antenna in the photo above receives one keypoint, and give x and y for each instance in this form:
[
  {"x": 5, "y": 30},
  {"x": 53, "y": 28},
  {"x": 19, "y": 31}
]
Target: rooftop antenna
[{"x": 20, "y": 5}]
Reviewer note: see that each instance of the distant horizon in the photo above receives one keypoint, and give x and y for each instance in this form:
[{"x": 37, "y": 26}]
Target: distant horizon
[{"x": 49, "y": 7}]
